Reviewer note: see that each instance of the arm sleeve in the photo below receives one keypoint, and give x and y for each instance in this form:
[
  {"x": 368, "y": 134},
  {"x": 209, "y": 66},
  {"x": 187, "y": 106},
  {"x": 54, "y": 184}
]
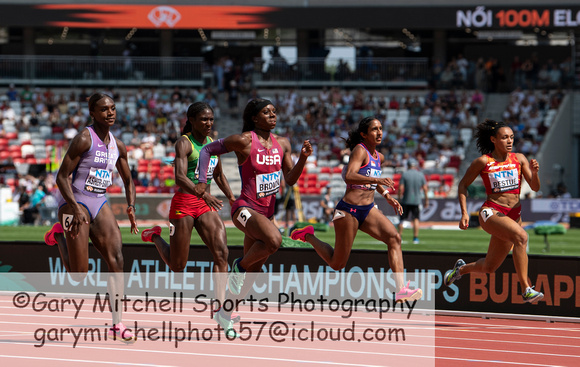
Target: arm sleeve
[{"x": 215, "y": 148}]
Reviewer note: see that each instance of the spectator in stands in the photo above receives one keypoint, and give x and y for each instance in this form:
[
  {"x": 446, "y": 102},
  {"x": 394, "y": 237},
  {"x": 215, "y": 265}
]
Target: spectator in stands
[
  {"x": 327, "y": 204},
  {"x": 84, "y": 209},
  {"x": 31, "y": 211},
  {"x": 562, "y": 191},
  {"x": 410, "y": 186},
  {"x": 12, "y": 93}
]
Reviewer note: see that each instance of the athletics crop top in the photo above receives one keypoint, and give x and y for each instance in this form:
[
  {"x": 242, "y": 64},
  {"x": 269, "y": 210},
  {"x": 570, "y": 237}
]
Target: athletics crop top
[
  {"x": 94, "y": 173},
  {"x": 193, "y": 160},
  {"x": 371, "y": 169},
  {"x": 261, "y": 175},
  {"x": 502, "y": 177}
]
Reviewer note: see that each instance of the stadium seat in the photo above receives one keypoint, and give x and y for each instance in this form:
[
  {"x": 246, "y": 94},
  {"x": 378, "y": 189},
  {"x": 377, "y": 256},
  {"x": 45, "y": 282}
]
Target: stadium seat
[
  {"x": 11, "y": 135},
  {"x": 114, "y": 189},
  {"x": 448, "y": 179},
  {"x": 152, "y": 190},
  {"x": 434, "y": 177}
]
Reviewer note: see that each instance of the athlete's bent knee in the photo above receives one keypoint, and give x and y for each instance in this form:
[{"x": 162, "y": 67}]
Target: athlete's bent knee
[
  {"x": 221, "y": 256},
  {"x": 520, "y": 238},
  {"x": 273, "y": 243},
  {"x": 116, "y": 262}
]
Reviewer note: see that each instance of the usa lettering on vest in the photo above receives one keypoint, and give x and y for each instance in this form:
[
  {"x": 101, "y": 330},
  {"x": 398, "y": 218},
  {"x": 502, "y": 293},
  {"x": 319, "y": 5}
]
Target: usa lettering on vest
[{"x": 268, "y": 160}]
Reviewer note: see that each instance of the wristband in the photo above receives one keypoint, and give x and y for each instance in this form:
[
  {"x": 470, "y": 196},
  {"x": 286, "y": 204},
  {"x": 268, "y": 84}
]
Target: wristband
[
  {"x": 130, "y": 206},
  {"x": 385, "y": 193}
]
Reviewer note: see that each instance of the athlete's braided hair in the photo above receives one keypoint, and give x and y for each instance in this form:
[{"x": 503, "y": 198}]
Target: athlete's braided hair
[
  {"x": 483, "y": 133},
  {"x": 193, "y": 111},
  {"x": 354, "y": 137}
]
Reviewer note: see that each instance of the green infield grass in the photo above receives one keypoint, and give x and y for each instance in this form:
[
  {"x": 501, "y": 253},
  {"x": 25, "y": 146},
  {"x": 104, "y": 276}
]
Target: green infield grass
[{"x": 473, "y": 240}]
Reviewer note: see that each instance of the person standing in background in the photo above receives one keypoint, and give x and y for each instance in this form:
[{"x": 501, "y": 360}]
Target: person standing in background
[{"x": 410, "y": 186}]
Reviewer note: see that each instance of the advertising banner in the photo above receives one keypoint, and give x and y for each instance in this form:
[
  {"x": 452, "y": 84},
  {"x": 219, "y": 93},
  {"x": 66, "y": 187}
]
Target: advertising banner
[
  {"x": 367, "y": 272},
  {"x": 439, "y": 210},
  {"x": 259, "y": 17}
]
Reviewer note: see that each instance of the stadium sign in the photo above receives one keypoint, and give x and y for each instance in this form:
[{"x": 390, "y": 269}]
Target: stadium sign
[
  {"x": 439, "y": 210},
  {"x": 260, "y": 17},
  {"x": 303, "y": 273},
  {"x": 517, "y": 18}
]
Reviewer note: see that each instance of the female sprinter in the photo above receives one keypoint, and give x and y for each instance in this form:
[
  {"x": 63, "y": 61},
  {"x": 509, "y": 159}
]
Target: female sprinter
[
  {"x": 83, "y": 209},
  {"x": 356, "y": 210},
  {"x": 263, "y": 158},
  {"x": 501, "y": 171},
  {"x": 187, "y": 210}
]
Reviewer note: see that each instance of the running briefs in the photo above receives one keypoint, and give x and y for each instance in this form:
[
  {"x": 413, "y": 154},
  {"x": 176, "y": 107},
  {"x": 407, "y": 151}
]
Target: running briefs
[
  {"x": 187, "y": 205},
  {"x": 92, "y": 203},
  {"x": 513, "y": 213},
  {"x": 358, "y": 211}
]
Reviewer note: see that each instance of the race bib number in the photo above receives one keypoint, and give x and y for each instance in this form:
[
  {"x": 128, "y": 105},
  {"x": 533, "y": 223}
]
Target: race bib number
[
  {"x": 503, "y": 181},
  {"x": 98, "y": 180},
  {"x": 337, "y": 215},
  {"x": 268, "y": 184},
  {"x": 486, "y": 214},
  {"x": 244, "y": 217},
  {"x": 67, "y": 221},
  {"x": 374, "y": 173}
]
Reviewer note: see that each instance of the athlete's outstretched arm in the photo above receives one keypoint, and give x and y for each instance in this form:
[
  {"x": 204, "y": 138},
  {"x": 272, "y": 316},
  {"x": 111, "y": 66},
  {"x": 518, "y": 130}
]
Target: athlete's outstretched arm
[{"x": 233, "y": 143}]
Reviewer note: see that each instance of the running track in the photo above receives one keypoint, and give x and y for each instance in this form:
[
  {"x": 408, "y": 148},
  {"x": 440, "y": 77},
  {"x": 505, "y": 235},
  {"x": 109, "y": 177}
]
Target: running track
[{"x": 429, "y": 340}]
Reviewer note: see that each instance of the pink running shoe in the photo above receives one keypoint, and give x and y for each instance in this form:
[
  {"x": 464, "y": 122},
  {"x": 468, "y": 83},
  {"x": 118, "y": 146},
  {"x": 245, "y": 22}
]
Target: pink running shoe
[
  {"x": 121, "y": 333},
  {"x": 49, "y": 235},
  {"x": 406, "y": 294},
  {"x": 300, "y": 234},
  {"x": 148, "y": 233}
]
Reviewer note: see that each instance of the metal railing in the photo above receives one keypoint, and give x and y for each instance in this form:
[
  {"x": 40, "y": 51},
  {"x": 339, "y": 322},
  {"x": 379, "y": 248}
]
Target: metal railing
[
  {"x": 378, "y": 72},
  {"x": 169, "y": 71},
  {"x": 86, "y": 70}
]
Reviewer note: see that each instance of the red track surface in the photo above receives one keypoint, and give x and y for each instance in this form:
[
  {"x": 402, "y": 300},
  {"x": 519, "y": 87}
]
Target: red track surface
[{"x": 429, "y": 340}]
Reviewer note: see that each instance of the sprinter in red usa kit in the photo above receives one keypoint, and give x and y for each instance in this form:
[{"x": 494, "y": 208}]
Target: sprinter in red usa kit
[
  {"x": 263, "y": 159},
  {"x": 501, "y": 171}
]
